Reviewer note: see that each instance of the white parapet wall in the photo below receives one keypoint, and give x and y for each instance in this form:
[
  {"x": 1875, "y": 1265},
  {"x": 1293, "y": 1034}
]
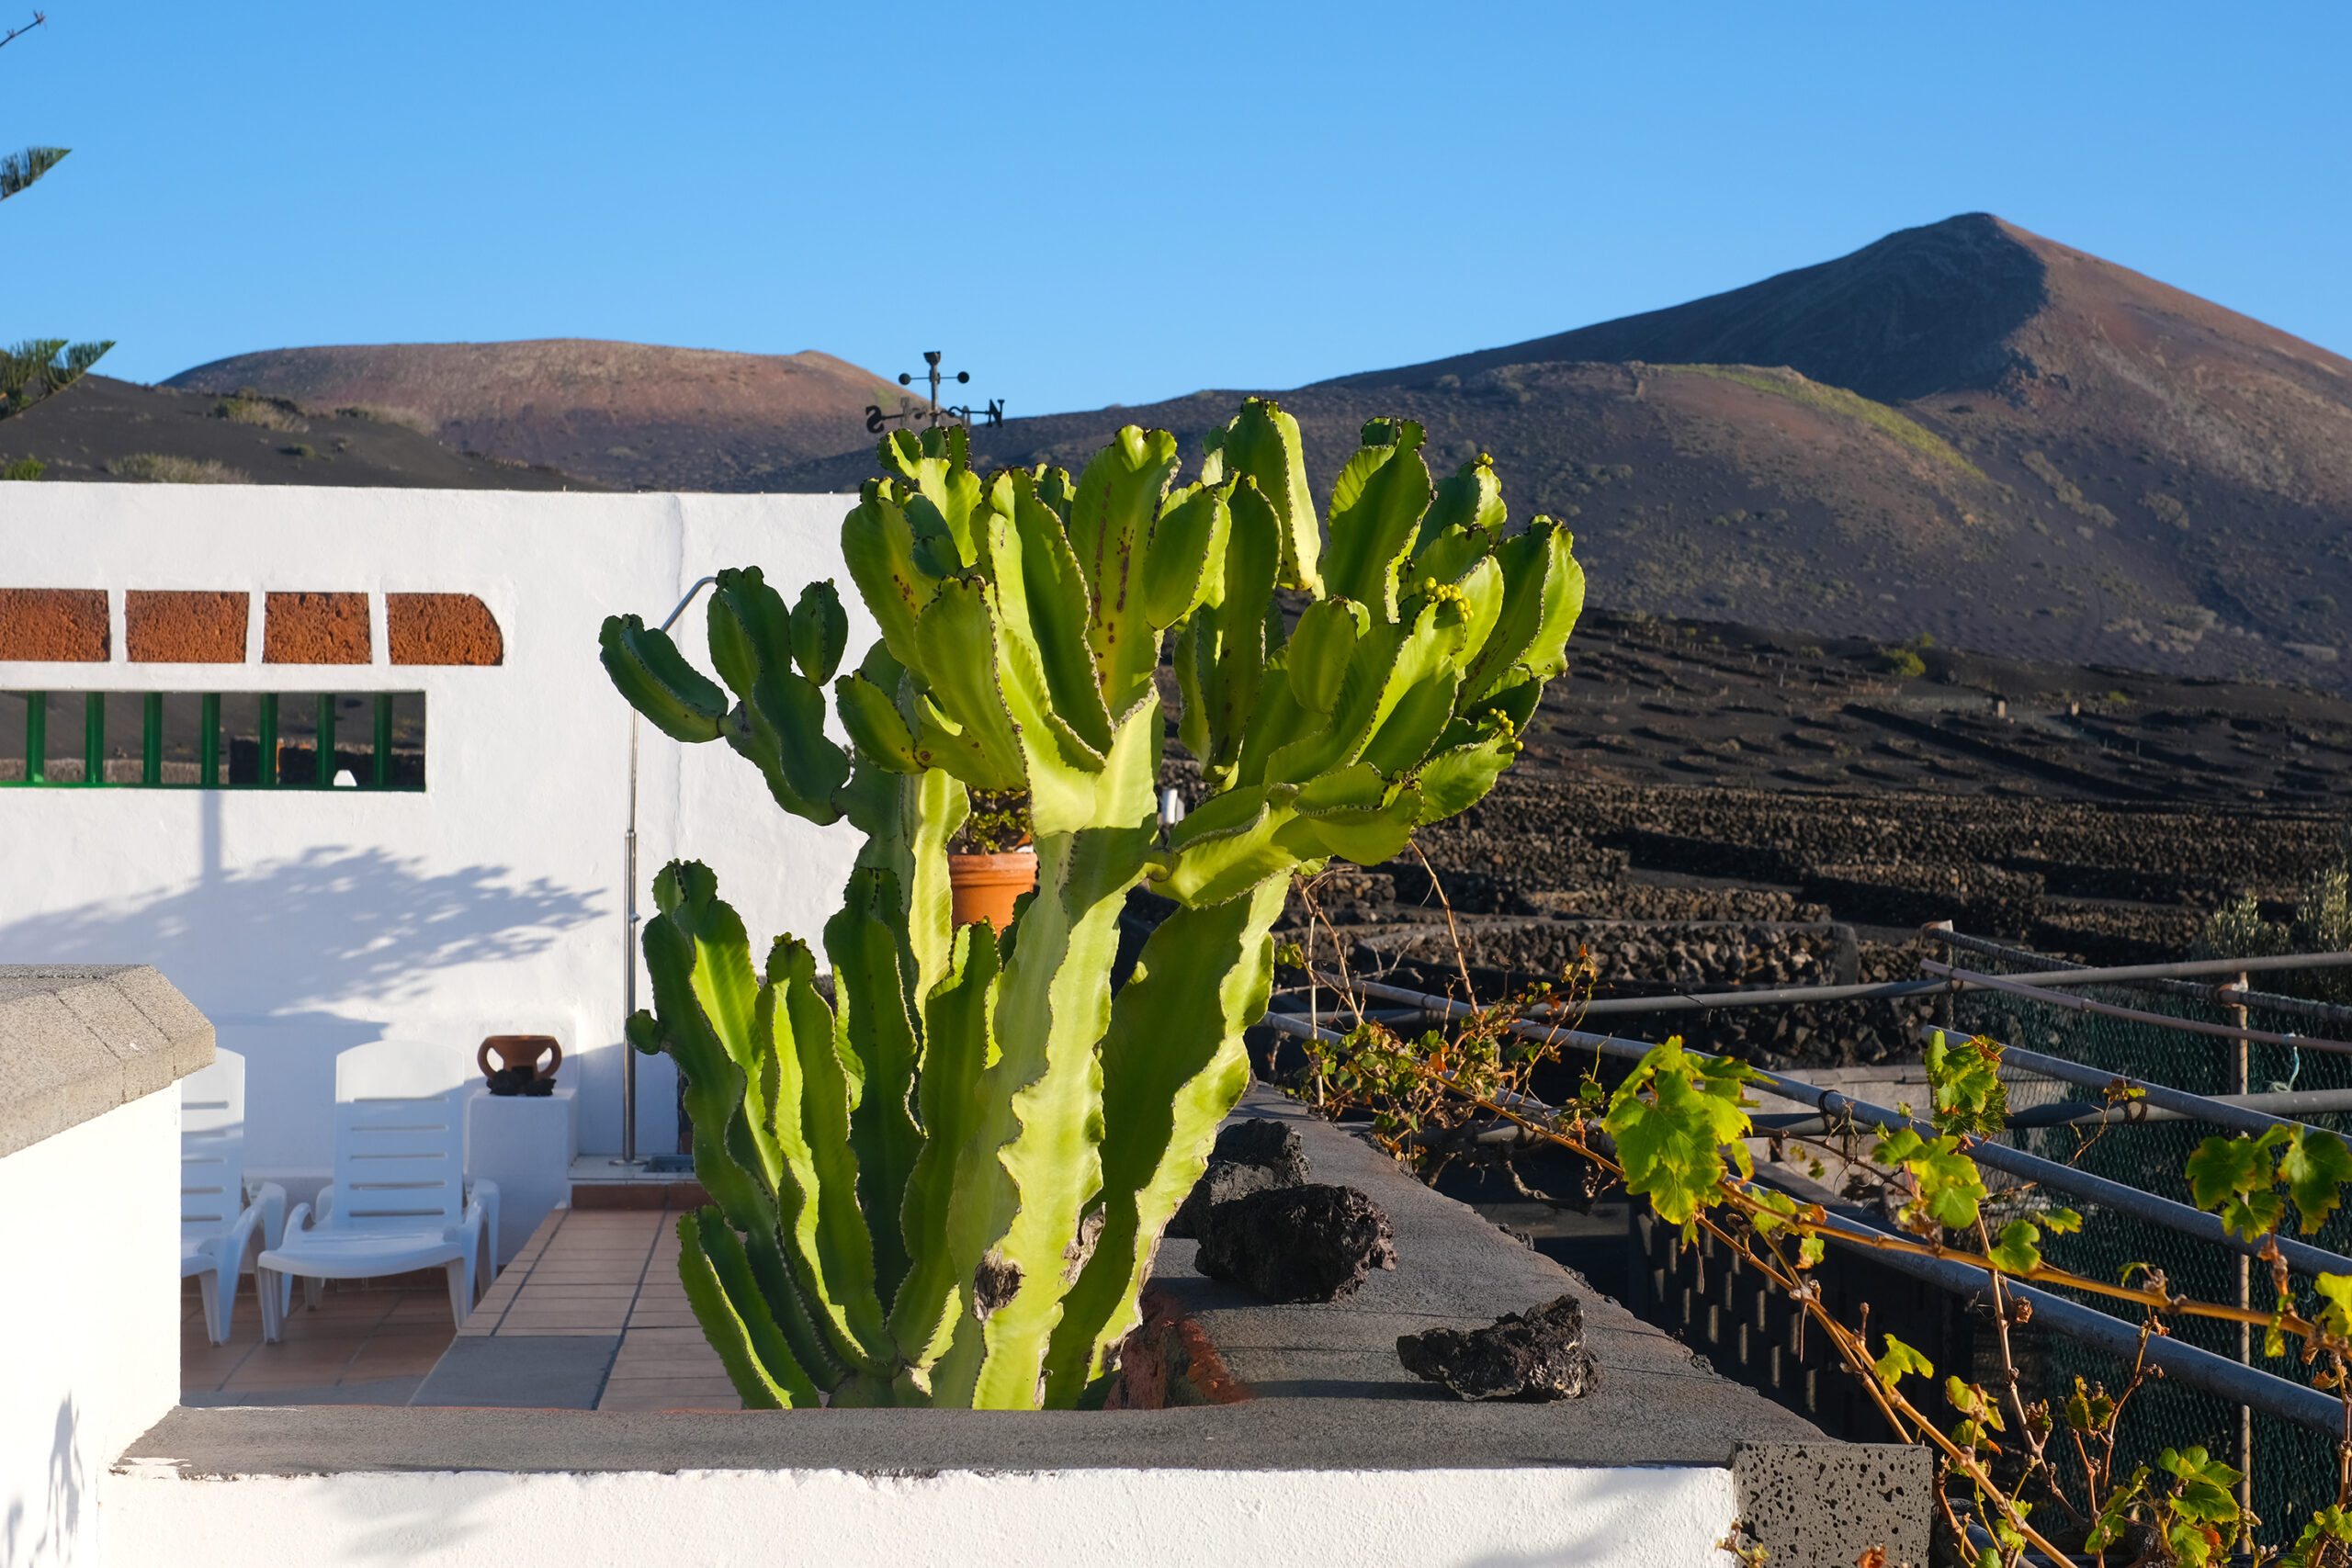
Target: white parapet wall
[
  {"x": 89, "y": 1287},
  {"x": 306, "y": 920},
  {"x": 836, "y": 1518}
]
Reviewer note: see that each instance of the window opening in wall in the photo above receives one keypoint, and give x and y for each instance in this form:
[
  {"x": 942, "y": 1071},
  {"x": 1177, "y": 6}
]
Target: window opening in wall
[{"x": 214, "y": 740}]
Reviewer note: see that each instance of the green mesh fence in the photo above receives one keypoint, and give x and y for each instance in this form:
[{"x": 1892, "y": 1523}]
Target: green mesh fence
[{"x": 2294, "y": 1469}]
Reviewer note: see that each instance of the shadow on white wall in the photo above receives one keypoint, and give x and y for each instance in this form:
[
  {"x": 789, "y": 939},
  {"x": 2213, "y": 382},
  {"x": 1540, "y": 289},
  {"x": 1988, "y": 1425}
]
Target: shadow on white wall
[
  {"x": 60, "y": 1521},
  {"x": 330, "y": 927}
]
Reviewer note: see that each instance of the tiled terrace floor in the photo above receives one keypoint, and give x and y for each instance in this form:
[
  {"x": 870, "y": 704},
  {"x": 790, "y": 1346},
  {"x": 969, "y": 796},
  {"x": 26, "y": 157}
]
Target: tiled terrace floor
[
  {"x": 595, "y": 1274},
  {"x": 600, "y": 1272},
  {"x": 371, "y": 1342}
]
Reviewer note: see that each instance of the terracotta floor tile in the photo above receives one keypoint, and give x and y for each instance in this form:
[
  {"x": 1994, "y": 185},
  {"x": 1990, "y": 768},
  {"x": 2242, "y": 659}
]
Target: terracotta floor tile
[
  {"x": 661, "y": 1317},
  {"x": 667, "y": 1335},
  {"x": 567, "y": 1331},
  {"x": 275, "y": 1373},
  {"x": 568, "y": 1313},
  {"x": 626, "y": 1369},
  {"x": 209, "y": 1366},
  {"x": 407, "y": 1356},
  {"x": 577, "y": 1290}
]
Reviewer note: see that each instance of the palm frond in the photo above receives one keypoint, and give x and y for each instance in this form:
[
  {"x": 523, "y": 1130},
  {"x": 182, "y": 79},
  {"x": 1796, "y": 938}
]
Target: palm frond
[{"x": 18, "y": 170}]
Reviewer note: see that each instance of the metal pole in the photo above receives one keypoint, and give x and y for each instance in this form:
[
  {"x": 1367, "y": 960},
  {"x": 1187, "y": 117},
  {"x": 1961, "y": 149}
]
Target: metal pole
[
  {"x": 2239, "y": 1064},
  {"x": 629, "y": 920}
]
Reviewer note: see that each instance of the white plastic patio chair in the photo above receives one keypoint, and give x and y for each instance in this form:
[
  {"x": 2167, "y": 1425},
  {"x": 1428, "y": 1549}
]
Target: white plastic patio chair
[
  {"x": 400, "y": 1198},
  {"x": 221, "y": 1218}
]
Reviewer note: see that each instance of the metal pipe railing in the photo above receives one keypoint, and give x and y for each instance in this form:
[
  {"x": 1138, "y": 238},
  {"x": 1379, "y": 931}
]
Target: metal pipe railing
[
  {"x": 2245, "y": 1386},
  {"x": 2201, "y": 1370},
  {"x": 2229, "y": 994},
  {"x": 2132, "y": 1015},
  {"x": 1835, "y": 1107},
  {"x": 2255, "y": 1113}
]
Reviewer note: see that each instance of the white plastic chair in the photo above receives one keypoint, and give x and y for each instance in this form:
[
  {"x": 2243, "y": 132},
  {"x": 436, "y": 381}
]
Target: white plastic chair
[
  {"x": 400, "y": 1200},
  {"x": 221, "y": 1219}
]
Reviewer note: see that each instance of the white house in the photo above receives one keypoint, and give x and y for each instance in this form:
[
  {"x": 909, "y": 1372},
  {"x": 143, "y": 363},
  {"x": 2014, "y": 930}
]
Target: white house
[{"x": 304, "y": 917}]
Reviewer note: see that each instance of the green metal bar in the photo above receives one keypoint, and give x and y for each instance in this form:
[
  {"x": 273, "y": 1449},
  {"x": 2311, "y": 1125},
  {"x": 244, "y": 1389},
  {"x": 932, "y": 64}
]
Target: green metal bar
[
  {"x": 383, "y": 740},
  {"x": 268, "y": 775},
  {"x": 325, "y": 750},
  {"x": 151, "y": 741},
  {"x": 208, "y": 742},
  {"x": 36, "y": 737},
  {"x": 94, "y": 738}
]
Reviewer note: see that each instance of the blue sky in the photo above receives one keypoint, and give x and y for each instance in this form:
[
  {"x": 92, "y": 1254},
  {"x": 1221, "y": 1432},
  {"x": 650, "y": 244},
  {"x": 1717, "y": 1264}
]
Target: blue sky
[{"x": 1089, "y": 204}]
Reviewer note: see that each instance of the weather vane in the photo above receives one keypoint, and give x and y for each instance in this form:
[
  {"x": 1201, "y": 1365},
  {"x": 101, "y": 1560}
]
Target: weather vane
[{"x": 911, "y": 410}]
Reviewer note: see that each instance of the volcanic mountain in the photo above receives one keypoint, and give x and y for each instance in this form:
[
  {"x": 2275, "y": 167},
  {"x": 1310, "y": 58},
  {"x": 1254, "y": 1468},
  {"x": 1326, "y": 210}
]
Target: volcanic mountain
[
  {"x": 636, "y": 415},
  {"x": 1964, "y": 429}
]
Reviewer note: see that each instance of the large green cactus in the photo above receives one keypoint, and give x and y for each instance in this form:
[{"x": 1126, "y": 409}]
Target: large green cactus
[{"x": 944, "y": 1185}]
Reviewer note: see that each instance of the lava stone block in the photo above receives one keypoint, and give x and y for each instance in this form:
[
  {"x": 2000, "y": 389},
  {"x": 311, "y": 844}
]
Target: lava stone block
[
  {"x": 1313, "y": 1242},
  {"x": 1256, "y": 1155},
  {"x": 1540, "y": 1356}
]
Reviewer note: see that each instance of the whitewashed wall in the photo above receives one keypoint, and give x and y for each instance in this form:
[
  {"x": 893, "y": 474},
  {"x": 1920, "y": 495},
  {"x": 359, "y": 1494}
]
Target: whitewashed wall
[
  {"x": 89, "y": 1318},
  {"x": 306, "y": 921},
  {"x": 1648, "y": 1518}
]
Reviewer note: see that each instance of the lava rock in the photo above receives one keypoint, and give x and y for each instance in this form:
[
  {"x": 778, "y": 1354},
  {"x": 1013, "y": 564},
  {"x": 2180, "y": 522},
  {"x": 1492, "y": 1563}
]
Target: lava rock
[
  {"x": 1315, "y": 1242},
  {"x": 1256, "y": 1155},
  {"x": 1540, "y": 1356}
]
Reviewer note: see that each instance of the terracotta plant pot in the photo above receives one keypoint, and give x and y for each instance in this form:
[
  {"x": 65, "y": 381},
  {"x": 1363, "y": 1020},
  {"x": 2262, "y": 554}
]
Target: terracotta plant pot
[
  {"x": 984, "y": 887},
  {"x": 518, "y": 1071}
]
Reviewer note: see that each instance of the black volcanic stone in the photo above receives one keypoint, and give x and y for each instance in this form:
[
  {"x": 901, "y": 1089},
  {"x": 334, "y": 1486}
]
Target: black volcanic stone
[
  {"x": 1540, "y": 1356},
  {"x": 1256, "y": 1155},
  {"x": 1313, "y": 1242}
]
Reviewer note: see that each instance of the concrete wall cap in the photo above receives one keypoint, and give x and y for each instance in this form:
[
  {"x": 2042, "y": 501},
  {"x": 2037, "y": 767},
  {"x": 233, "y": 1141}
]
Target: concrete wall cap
[{"x": 77, "y": 1040}]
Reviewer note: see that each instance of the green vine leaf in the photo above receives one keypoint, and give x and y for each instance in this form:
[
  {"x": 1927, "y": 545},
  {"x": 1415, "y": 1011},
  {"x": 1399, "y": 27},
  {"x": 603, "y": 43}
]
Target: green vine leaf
[
  {"x": 2330, "y": 1524},
  {"x": 1950, "y": 1188},
  {"x": 2315, "y": 1167},
  {"x": 2336, "y": 1316},
  {"x": 2115, "y": 1512},
  {"x": 1674, "y": 1118},
  {"x": 1966, "y": 1079},
  {"x": 2206, "y": 1491},
  {"x": 1900, "y": 1361},
  {"x": 2235, "y": 1177},
  {"x": 2019, "y": 1249}
]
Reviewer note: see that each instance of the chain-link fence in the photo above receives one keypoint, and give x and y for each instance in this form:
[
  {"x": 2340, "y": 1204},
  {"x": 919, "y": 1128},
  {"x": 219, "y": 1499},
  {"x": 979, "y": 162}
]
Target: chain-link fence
[{"x": 2293, "y": 1468}]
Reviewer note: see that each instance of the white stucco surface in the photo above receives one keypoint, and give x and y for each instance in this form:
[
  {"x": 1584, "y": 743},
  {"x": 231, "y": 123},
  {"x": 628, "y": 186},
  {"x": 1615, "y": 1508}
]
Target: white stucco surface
[
  {"x": 306, "y": 921},
  {"x": 1140, "y": 1519},
  {"x": 89, "y": 1319}
]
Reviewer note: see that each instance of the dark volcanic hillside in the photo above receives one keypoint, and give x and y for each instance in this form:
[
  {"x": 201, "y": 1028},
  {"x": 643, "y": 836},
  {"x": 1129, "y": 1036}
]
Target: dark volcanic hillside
[
  {"x": 105, "y": 430},
  {"x": 634, "y": 416},
  {"x": 1965, "y": 430}
]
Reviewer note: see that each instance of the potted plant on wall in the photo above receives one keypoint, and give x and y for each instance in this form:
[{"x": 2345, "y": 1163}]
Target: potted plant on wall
[
  {"x": 944, "y": 1184},
  {"x": 989, "y": 860}
]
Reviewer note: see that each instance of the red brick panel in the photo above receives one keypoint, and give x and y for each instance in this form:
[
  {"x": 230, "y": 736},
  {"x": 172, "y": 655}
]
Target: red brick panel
[
  {"x": 443, "y": 628},
  {"x": 65, "y": 625},
  {"x": 315, "y": 628},
  {"x": 176, "y": 627}
]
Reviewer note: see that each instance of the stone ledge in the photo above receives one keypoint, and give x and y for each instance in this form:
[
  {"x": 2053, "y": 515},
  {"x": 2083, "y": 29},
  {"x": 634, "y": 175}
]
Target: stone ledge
[{"x": 77, "y": 1040}]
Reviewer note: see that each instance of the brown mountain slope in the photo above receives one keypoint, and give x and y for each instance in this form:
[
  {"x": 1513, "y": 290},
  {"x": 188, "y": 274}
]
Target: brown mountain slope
[
  {"x": 103, "y": 429},
  {"x": 2067, "y": 460},
  {"x": 631, "y": 415}
]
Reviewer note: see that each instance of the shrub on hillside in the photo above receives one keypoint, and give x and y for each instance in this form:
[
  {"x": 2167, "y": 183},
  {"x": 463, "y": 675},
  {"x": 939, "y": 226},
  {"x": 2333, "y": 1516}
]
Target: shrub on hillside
[
  {"x": 164, "y": 468},
  {"x": 270, "y": 413}
]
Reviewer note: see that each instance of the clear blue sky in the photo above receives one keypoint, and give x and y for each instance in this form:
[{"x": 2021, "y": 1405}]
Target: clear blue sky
[{"x": 1096, "y": 203}]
